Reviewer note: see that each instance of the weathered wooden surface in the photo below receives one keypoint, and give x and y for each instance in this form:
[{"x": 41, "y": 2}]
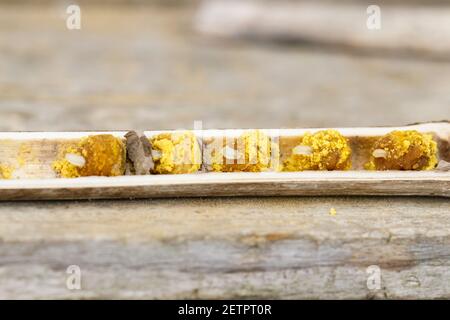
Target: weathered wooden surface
[
  {"x": 144, "y": 68},
  {"x": 230, "y": 247},
  {"x": 422, "y": 30}
]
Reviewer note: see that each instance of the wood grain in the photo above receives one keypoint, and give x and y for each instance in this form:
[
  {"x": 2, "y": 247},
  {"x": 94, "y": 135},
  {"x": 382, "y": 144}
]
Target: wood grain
[
  {"x": 268, "y": 248},
  {"x": 231, "y": 184},
  {"x": 144, "y": 68}
]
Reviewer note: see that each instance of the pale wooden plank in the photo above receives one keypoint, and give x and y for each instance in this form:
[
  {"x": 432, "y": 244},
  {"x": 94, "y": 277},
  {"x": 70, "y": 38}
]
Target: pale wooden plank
[
  {"x": 227, "y": 248},
  {"x": 41, "y": 150},
  {"x": 231, "y": 184}
]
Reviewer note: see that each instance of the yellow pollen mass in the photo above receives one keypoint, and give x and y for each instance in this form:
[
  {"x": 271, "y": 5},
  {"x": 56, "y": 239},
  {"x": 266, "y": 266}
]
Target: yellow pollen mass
[
  {"x": 6, "y": 171},
  {"x": 253, "y": 151},
  {"x": 99, "y": 155},
  {"x": 176, "y": 153},
  {"x": 403, "y": 150},
  {"x": 323, "y": 150}
]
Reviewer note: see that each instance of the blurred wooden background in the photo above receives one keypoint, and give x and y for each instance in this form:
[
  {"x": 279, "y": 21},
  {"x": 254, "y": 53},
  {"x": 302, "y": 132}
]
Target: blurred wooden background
[{"x": 143, "y": 66}]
